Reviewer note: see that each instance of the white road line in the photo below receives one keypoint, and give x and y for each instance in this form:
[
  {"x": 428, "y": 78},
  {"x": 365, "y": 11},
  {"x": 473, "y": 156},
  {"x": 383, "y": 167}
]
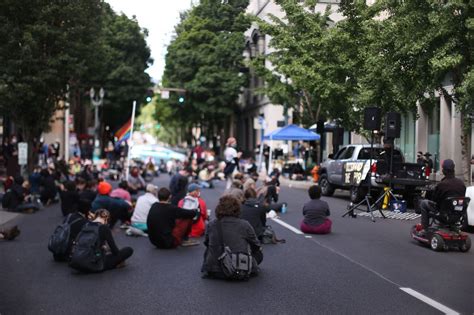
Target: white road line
[
  {"x": 289, "y": 227},
  {"x": 421, "y": 297},
  {"x": 431, "y": 302}
]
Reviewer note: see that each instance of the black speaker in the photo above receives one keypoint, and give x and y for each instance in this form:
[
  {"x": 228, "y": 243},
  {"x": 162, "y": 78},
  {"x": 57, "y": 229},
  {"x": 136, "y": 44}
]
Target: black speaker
[
  {"x": 372, "y": 118},
  {"x": 393, "y": 125},
  {"x": 338, "y": 136}
]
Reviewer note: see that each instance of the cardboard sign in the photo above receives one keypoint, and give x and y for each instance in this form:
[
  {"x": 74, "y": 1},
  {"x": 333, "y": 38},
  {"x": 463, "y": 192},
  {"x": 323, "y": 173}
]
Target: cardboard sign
[{"x": 352, "y": 174}]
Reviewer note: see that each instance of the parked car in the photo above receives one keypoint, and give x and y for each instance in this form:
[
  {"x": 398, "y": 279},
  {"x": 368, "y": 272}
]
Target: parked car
[
  {"x": 156, "y": 152},
  {"x": 354, "y": 165}
]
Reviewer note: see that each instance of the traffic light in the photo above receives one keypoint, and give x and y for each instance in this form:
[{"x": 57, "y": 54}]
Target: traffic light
[
  {"x": 149, "y": 95},
  {"x": 181, "y": 99}
]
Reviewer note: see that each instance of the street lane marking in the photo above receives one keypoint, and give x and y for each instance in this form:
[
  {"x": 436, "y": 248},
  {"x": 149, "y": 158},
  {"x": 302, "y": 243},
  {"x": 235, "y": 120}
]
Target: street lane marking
[
  {"x": 421, "y": 297},
  {"x": 286, "y": 225},
  {"x": 431, "y": 302}
]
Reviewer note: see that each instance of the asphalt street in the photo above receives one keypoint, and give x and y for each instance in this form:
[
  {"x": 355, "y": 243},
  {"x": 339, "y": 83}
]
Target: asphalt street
[{"x": 358, "y": 269}]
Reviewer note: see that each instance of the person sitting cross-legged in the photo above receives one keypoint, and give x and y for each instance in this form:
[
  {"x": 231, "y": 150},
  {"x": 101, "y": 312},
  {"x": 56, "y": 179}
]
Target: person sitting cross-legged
[
  {"x": 316, "y": 214},
  {"x": 142, "y": 208},
  {"x": 163, "y": 230}
]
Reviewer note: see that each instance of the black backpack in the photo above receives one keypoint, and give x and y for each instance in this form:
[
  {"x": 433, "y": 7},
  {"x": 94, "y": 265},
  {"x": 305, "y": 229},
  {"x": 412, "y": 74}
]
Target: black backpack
[
  {"x": 87, "y": 253},
  {"x": 61, "y": 239}
]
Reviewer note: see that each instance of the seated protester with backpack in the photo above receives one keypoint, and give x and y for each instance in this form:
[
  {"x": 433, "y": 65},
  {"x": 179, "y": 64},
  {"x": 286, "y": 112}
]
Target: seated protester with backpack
[
  {"x": 89, "y": 254},
  {"x": 254, "y": 212},
  {"x": 69, "y": 198},
  {"x": 316, "y": 214},
  {"x": 118, "y": 208},
  {"x": 193, "y": 201},
  {"x": 16, "y": 199},
  {"x": 229, "y": 231},
  {"x": 163, "y": 230},
  {"x": 60, "y": 243}
]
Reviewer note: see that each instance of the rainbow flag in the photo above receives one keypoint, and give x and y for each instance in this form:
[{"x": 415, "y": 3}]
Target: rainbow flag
[{"x": 124, "y": 132}]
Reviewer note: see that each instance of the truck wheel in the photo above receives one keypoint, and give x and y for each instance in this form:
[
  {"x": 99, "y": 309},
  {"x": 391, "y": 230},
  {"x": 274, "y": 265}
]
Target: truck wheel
[
  {"x": 466, "y": 246},
  {"x": 437, "y": 243},
  {"x": 358, "y": 193},
  {"x": 326, "y": 188}
]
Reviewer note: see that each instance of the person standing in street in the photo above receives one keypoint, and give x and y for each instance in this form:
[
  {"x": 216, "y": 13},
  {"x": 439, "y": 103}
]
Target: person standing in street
[{"x": 231, "y": 160}]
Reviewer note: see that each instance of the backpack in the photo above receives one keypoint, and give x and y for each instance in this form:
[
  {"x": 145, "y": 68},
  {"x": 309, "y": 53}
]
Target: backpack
[
  {"x": 192, "y": 203},
  {"x": 60, "y": 239},
  {"x": 234, "y": 265},
  {"x": 87, "y": 253},
  {"x": 269, "y": 236}
]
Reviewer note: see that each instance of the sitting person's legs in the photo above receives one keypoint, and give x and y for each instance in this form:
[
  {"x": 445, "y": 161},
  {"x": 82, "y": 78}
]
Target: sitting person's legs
[
  {"x": 111, "y": 261},
  {"x": 324, "y": 228},
  {"x": 181, "y": 230},
  {"x": 427, "y": 207}
]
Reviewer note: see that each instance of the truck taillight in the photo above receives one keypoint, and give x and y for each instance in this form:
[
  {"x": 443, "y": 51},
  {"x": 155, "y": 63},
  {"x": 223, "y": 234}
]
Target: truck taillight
[{"x": 373, "y": 168}]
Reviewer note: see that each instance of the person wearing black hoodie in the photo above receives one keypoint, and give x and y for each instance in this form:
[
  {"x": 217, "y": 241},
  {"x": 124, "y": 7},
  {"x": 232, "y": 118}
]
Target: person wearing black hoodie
[
  {"x": 48, "y": 188},
  {"x": 69, "y": 198},
  {"x": 253, "y": 211}
]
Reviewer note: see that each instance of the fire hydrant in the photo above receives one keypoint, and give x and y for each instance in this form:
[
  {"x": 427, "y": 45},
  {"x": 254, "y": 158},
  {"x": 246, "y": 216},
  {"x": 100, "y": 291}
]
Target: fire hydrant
[{"x": 315, "y": 173}]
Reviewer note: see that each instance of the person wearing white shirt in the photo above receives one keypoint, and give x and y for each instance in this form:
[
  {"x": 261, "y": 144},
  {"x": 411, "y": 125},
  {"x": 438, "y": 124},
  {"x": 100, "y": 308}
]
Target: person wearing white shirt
[
  {"x": 143, "y": 206},
  {"x": 230, "y": 155}
]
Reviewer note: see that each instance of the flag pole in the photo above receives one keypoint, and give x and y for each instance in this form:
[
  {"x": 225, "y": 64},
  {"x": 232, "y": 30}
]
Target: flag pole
[{"x": 130, "y": 145}]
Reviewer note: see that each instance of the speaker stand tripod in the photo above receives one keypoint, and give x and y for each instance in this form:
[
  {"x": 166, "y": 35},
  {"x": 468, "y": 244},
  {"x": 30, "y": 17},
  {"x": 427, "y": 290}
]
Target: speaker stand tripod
[{"x": 366, "y": 200}]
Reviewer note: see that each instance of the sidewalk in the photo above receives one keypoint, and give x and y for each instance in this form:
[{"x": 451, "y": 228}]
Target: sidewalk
[{"x": 301, "y": 184}]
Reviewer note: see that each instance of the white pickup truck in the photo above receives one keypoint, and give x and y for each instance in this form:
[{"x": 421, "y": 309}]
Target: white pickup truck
[{"x": 351, "y": 168}]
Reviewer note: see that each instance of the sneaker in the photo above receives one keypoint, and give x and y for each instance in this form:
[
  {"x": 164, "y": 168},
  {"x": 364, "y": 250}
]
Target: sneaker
[
  {"x": 124, "y": 226},
  {"x": 129, "y": 232},
  {"x": 190, "y": 242}
]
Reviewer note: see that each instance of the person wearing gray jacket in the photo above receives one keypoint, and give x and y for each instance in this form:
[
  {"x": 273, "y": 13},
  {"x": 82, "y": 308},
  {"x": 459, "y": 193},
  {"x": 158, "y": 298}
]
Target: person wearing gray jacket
[{"x": 238, "y": 234}]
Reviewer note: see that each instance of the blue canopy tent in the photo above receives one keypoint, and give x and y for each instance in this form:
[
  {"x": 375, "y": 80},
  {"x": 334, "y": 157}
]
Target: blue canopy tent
[{"x": 290, "y": 132}]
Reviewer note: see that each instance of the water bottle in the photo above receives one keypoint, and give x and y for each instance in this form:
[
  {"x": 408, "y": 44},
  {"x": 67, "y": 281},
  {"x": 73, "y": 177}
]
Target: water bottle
[{"x": 283, "y": 208}]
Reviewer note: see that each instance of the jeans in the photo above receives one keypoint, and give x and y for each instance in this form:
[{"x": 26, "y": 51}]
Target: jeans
[{"x": 427, "y": 208}]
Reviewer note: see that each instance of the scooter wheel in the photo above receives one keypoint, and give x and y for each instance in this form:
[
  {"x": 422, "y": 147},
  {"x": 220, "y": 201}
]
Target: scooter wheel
[
  {"x": 437, "y": 243},
  {"x": 466, "y": 246}
]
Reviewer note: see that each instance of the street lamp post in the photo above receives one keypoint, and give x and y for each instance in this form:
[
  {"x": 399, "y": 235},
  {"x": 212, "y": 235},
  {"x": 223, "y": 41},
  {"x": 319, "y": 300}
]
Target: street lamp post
[{"x": 96, "y": 102}]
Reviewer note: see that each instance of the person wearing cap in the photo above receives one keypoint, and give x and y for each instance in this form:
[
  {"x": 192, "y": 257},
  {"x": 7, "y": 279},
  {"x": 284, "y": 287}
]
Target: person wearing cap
[
  {"x": 143, "y": 206},
  {"x": 199, "y": 226},
  {"x": 118, "y": 208},
  {"x": 450, "y": 186},
  {"x": 163, "y": 230}
]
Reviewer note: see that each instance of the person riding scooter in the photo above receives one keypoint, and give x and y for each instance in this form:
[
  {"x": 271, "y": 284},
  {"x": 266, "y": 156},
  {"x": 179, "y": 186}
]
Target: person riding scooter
[{"x": 450, "y": 186}]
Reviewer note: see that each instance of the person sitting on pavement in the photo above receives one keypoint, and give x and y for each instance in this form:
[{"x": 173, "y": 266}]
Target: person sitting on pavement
[
  {"x": 178, "y": 185},
  {"x": 69, "y": 198},
  {"x": 35, "y": 179},
  {"x": 90, "y": 191},
  {"x": 236, "y": 190},
  {"x": 48, "y": 189},
  {"x": 76, "y": 220},
  {"x": 268, "y": 195},
  {"x": 163, "y": 230},
  {"x": 122, "y": 192},
  {"x": 316, "y": 212},
  {"x": 194, "y": 194},
  {"x": 135, "y": 181},
  {"x": 118, "y": 208},
  {"x": 142, "y": 208},
  {"x": 238, "y": 234},
  {"x": 9, "y": 234},
  {"x": 16, "y": 198},
  {"x": 249, "y": 183},
  {"x": 117, "y": 257},
  {"x": 450, "y": 186},
  {"x": 254, "y": 212}
]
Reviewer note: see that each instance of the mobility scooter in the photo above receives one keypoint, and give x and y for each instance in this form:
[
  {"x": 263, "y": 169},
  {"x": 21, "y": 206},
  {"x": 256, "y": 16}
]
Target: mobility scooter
[{"x": 444, "y": 232}]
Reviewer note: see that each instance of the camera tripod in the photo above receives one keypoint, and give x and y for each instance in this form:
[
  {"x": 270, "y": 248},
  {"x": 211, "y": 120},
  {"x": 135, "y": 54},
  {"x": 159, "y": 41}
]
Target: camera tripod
[{"x": 368, "y": 196}]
